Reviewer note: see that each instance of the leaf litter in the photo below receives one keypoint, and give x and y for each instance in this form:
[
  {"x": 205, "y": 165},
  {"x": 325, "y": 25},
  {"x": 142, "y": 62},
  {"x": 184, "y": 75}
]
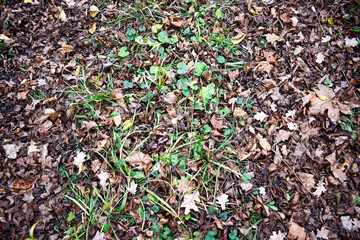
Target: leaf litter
[{"x": 169, "y": 109}]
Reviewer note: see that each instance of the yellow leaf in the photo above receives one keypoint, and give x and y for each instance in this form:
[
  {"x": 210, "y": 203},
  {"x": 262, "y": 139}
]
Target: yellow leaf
[
  {"x": 237, "y": 39},
  {"x": 93, "y": 28},
  {"x": 127, "y": 124},
  {"x": 4, "y": 37},
  {"x": 156, "y": 27},
  {"x": 94, "y": 10},
  {"x": 261, "y": 28},
  {"x": 63, "y": 16},
  {"x": 324, "y": 98},
  {"x": 331, "y": 21},
  {"x": 28, "y": 1},
  {"x": 254, "y": 12},
  {"x": 101, "y": 56}
]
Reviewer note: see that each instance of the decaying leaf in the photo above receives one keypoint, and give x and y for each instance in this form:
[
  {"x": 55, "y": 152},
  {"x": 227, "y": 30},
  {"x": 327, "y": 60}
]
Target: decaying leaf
[
  {"x": 132, "y": 188},
  {"x": 263, "y": 142},
  {"x": 171, "y": 97},
  {"x": 282, "y": 135},
  {"x": 11, "y": 150},
  {"x": 307, "y": 179},
  {"x": 323, "y": 233},
  {"x": 277, "y": 236},
  {"x": 117, "y": 120},
  {"x": 222, "y": 200},
  {"x": 62, "y": 15},
  {"x": 189, "y": 202},
  {"x": 79, "y": 161},
  {"x": 351, "y": 42},
  {"x": 320, "y": 57},
  {"x": 94, "y": 10},
  {"x": 177, "y": 22},
  {"x": 320, "y": 189},
  {"x": 99, "y": 236},
  {"x": 92, "y": 29},
  {"x": 246, "y": 186},
  {"x": 66, "y": 49},
  {"x": 272, "y": 38},
  {"x": 185, "y": 186},
  {"x": 260, "y": 116},
  {"x": 339, "y": 174},
  {"x": 103, "y": 176},
  {"x": 264, "y": 66},
  {"x": 238, "y": 38},
  {"x": 296, "y": 232},
  {"x": 347, "y": 222},
  {"x": 140, "y": 161}
]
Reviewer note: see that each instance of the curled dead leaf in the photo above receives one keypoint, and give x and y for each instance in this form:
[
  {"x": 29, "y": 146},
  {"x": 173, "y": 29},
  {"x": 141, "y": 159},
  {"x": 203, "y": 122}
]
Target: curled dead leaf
[
  {"x": 140, "y": 161},
  {"x": 177, "y": 22},
  {"x": 171, "y": 97}
]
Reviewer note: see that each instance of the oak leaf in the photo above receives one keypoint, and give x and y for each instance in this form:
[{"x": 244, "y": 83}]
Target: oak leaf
[
  {"x": 323, "y": 233},
  {"x": 140, "y": 161},
  {"x": 320, "y": 189},
  {"x": 103, "y": 176},
  {"x": 260, "y": 116},
  {"x": 296, "y": 232},
  {"x": 189, "y": 202},
  {"x": 79, "y": 161},
  {"x": 222, "y": 200},
  {"x": 277, "y": 236}
]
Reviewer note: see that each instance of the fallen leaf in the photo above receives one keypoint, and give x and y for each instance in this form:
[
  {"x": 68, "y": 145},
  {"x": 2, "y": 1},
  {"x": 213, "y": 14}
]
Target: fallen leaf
[
  {"x": 307, "y": 179},
  {"x": 79, "y": 161},
  {"x": 222, "y": 200},
  {"x": 263, "y": 66},
  {"x": 99, "y": 236},
  {"x": 326, "y": 39},
  {"x": 32, "y": 148},
  {"x": 66, "y": 49},
  {"x": 116, "y": 94},
  {"x": 177, "y": 22},
  {"x": 331, "y": 158},
  {"x": 346, "y": 222},
  {"x": 260, "y": 116},
  {"x": 323, "y": 233},
  {"x": 185, "y": 186},
  {"x": 263, "y": 142},
  {"x": 140, "y": 161},
  {"x": 94, "y": 10},
  {"x": 127, "y": 124},
  {"x": 103, "y": 176},
  {"x": 262, "y": 191},
  {"x": 11, "y": 150},
  {"x": 92, "y": 29},
  {"x": 171, "y": 97},
  {"x": 272, "y": 38},
  {"x": 339, "y": 174},
  {"x": 298, "y": 50},
  {"x": 277, "y": 236},
  {"x": 282, "y": 135},
  {"x": 246, "y": 186},
  {"x": 292, "y": 126},
  {"x": 296, "y": 232},
  {"x": 351, "y": 42},
  {"x": 294, "y": 21},
  {"x": 156, "y": 27},
  {"x": 217, "y": 122},
  {"x": 117, "y": 120},
  {"x": 239, "y": 113},
  {"x": 270, "y": 57},
  {"x": 62, "y": 15},
  {"x": 28, "y": 1},
  {"x": 320, "y": 189},
  {"x": 320, "y": 57},
  {"x": 238, "y": 38},
  {"x": 132, "y": 188},
  {"x": 189, "y": 202}
]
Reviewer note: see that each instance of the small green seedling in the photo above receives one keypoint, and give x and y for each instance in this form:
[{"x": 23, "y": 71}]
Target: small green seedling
[{"x": 123, "y": 52}]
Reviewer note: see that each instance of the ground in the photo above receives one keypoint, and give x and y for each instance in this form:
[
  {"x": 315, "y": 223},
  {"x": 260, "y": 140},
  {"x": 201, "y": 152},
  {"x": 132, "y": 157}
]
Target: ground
[{"x": 179, "y": 119}]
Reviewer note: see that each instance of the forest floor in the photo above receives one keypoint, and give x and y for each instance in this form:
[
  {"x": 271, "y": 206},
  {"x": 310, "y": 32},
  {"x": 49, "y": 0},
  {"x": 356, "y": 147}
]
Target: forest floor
[{"x": 179, "y": 119}]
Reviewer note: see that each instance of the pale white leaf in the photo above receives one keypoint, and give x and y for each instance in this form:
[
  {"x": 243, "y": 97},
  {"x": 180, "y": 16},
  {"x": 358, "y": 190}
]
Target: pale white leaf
[
  {"x": 292, "y": 126},
  {"x": 351, "y": 42},
  {"x": 99, "y": 236},
  {"x": 132, "y": 188},
  {"x": 290, "y": 113},
  {"x": 103, "y": 176},
  {"x": 294, "y": 21},
  {"x": 246, "y": 186},
  {"x": 189, "y": 202},
  {"x": 79, "y": 161},
  {"x": 222, "y": 200},
  {"x": 346, "y": 222},
  {"x": 11, "y": 150},
  {"x": 298, "y": 50},
  {"x": 260, "y": 116},
  {"x": 326, "y": 39},
  {"x": 32, "y": 148},
  {"x": 320, "y": 57},
  {"x": 277, "y": 236},
  {"x": 320, "y": 189},
  {"x": 323, "y": 233},
  {"x": 262, "y": 191}
]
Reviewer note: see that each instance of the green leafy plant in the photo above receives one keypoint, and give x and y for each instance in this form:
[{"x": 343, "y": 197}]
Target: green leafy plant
[
  {"x": 163, "y": 37},
  {"x": 220, "y": 59},
  {"x": 272, "y": 206},
  {"x": 207, "y": 93},
  {"x": 200, "y": 68},
  {"x": 211, "y": 235},
  {"x": 123, "y": 52},
  {"x": 182, "y": 68},
  {"x": 233, "y": 235}
]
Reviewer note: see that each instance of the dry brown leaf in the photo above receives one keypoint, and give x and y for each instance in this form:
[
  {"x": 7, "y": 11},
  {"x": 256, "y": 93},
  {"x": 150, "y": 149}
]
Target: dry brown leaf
[
  {"x": 88, "y": 125},
  {"x": 117, "y": 121},
  {"x": 260, "y": 116},
  {"x": 246, "y": 186},
  {"x": 177, "y": 22},
  {"x": 171, "y": 97},
  {"x": 296, "y": 232},
  {"x": 331, "y": 158},
  {"x": 239, "y": 113},
  {"x": 263, "y": 66},
  {"x": 272, "y": 38},
  {"x": 184, "y": 186},
  {"x": 270, "y": 57},
  {"x": 66, "y": 49},
  {"x": 339, "y": 174},
  {"x": 140, "y": 161},
  {"x": 307, "y": 179},
  {"x": 282, "y": 135},
  {"x": 263, "y": 142},
  {"x": 103, "y": 176},
  {"x": 92, "y": 29},
  {"x": 116, "y": 94},
  {"x": 217, "y": 122},
  {"x": 320, "y": 189},
  {"x": 320, "y": 57},
  {"x": 132, "y": 188},
  {"x": 22, "y": 185}
]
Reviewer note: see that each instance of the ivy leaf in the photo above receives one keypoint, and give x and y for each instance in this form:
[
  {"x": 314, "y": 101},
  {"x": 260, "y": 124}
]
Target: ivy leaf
[
  {"x": 123, "y": 52},
  {"x": 220, "y": 59},
  {"x": 128, "y": 84}
]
